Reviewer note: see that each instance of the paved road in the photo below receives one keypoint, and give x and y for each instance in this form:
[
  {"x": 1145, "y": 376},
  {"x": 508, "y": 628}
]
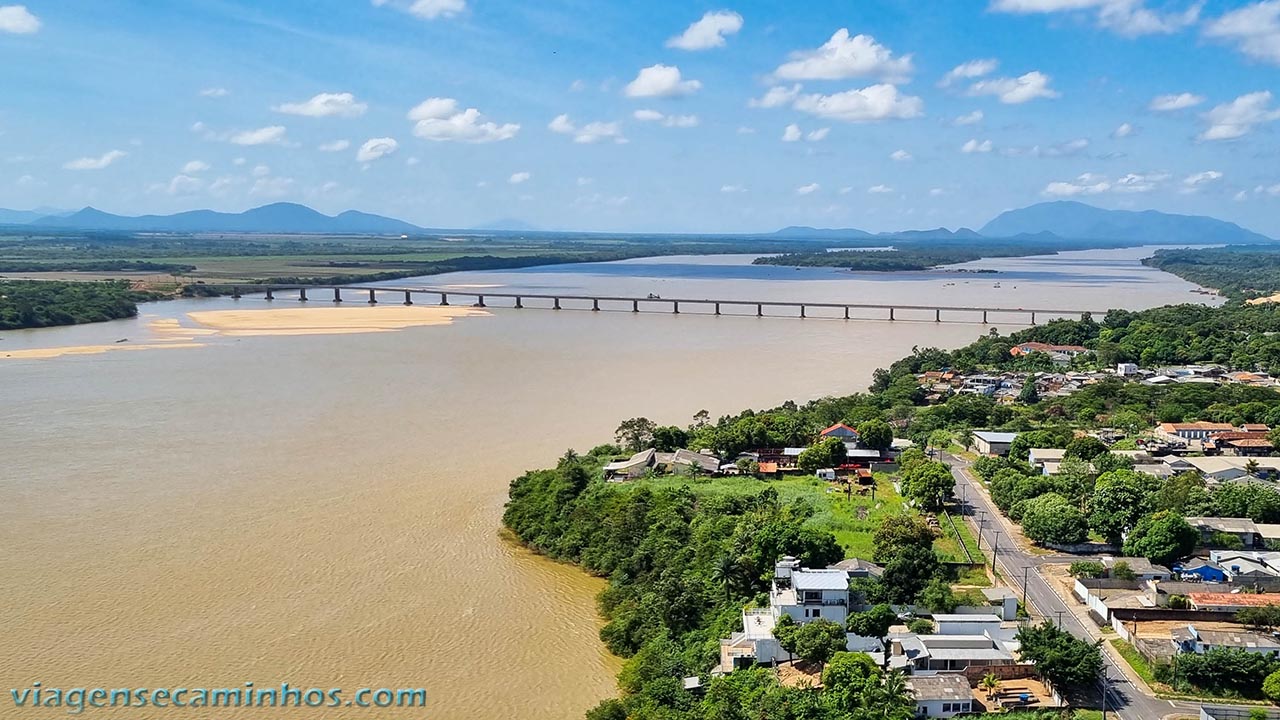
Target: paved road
[{"x": 1131, "y": 700}]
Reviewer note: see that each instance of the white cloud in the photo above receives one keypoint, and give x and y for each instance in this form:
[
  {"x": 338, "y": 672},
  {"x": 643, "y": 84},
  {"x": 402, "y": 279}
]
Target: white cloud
[
  {"x": 585, "y": 181},
  {"x": 17, "y": 19},
  {"x": 1065, "y": 149},
  {"x": 973, "y": 146},
  {"x": 95, "y": 163},
  {"x": 519, "y": 177},
  {"x": 376, "y": 148},
  {"x": 1015, "y": 91},
  {"x": 900, "y": 155},
  {"x": 1125, "y": 130},
  {"x": 1196, "y": 180},
  {"x": 426, "y": 9},
  {"x": 844, "y": 57},
  {"x": 1125, "y": 17},
  {"x": 412, "y": 161},
  {"x": 272, "y": 187},
  {"x": 1241, "y": 196},
  {"x": 262, "y": 136},
  {"x": 879, "y": 189},
  {"x": 1086, "y": 184},
  {"x": 215, "y": 92},
  {"x": 818, "y": 135},
  {"x": 709, "y": 32},
  {"x": 776, "y": 96},
  {"x": 1255, "y": 28},
  {"x": 660, "y": 81},
  {"x": 972, "y": 118},
  {"x": 577, "y": 86},
  {"x": 732, "y": 189},
  {"x": 1175, "y": 101},
  {"x": 744, "y": 130},
  {"x": 870, "y": 104},
  {"x": 325, "y": 105},
  {"x": 1096, "y": 184},
  {"x": 808, "y": 189},
  {"x": 937, "y": 192},
  {"x": 1139, "y": 182},
  {"x": 970, "y": 70},
  {"x": 335, "y": 146},
  {"x": 239, "y": 161},
  {"x": 261, "y": 170},
  {"x": 1238, "y": 117},
  {"x": 791, "y": 133},
  {"x": 194, "y": 167},
  {"x": 439, "y": 119},
  {"x": 589, "y": 134},
  {"x": 181, "y": 185},
  {"x": 681, "y": 121}
]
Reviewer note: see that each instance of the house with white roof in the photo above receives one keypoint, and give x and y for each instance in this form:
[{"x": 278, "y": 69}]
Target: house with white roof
[{"x": 987, "y": 442}]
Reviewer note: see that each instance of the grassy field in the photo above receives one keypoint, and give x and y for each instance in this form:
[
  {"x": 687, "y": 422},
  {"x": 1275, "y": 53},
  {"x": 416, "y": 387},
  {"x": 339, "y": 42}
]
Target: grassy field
[
  {"x": 1135, "y": 660},
  {"x": 853, "y": 520}
]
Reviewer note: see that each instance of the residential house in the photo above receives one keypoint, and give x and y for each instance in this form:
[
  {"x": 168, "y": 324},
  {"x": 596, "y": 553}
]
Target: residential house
[
  {"x": 1143, "y": 568},
  {"x": 1070, "y": 351},
  {"x": 987, "y": 442},
  {"x": 1200, "y": 570},
  {"x": 859, "y": 568},
  {"x": 941, "y": 696},
  {"x": 1223, "y": 467},
  {"x": 631, "y": 468},
  {"x": 1126, "y": 369},
  {"x": 1243, "y": 528},
  {"x": 1240, "y": 444},
  {"x": 1192, "y": 640},
  {"x": 803, "y": 594},
  {"x": 1004, "y": 599},
  {"x": 841, "y": 432},
  {"x": 932, "y": 654},
  {"x": 1246, "y": 566},
  {"x": 1182, "y": 432}
]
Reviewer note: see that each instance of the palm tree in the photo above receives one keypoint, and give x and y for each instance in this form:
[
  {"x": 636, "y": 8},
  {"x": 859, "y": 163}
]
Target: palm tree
[
  {"x": 723, "y": 573},
  {"x": 991, "y": 684}
]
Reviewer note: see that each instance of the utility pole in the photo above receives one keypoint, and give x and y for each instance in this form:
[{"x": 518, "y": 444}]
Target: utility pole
[
  {"x": 1105, "y": 682},
  {"x": 1024, "y": 585},
  {"x": 1059, "y": 618},
  {"x": 995, "y": 547}
]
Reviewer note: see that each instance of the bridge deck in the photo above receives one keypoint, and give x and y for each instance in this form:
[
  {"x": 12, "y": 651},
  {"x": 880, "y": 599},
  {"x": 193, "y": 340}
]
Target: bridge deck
[{"x": 478, "y": 293}]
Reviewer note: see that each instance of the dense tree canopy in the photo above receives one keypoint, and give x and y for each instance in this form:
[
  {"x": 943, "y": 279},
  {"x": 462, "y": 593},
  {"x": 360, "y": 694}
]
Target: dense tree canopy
[
  {"x": 1162, "y": 538},
  {"x": 30, "y": 304}
]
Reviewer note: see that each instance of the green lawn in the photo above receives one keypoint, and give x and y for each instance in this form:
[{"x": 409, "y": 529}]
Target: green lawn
[
  {"x": 853, "y": 521},
  {"x": 1135, "y": 660}
]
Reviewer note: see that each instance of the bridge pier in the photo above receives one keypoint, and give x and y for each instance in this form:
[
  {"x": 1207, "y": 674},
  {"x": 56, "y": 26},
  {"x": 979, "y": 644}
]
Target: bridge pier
[
  {"x": 519, "y": 304},
  {"x": 675, "y": 307},
  {"x": 235, "y": 292},
  {"x": 302, "y": 294},
  {"x": 270, "y": 296},
  {"x": 891, "y": 313},
  {"x": 984, "y": 317},
  {"x": 480, "y": 301},
  {"x": 1033, "y": 318},
  {"x": 595, "y": 304},
  {"x": 846, "y": 312},
  {"x": 337, "y": 295},
  {"x": 557, "y": 306},
  {"x": 937, "y": 316},
  {"x": 444, "y": 299},
  {"x": 759, "y": 310},
  {"x": 408, "y": 298},
  {"x": 635, "y": 306},
  {"x": 801, "y": 312},
  {"x": 717, "y": 308},
  {"x": 373, "y": 300}
]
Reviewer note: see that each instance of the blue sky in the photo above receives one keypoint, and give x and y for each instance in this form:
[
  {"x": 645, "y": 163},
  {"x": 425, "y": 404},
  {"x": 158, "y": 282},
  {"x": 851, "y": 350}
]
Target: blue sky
[{"x": 653, "y": 116}]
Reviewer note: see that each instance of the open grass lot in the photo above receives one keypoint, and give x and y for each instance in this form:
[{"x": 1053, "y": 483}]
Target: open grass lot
[{"x": 853, "y": 520}]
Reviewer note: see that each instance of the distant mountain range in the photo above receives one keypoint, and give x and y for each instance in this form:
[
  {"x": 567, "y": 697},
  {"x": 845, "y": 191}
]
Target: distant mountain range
[
  {"x": 1076, "y": 220},
  {"x": 1044, "y": 221},
  {"x": 1065, "y": 220}
]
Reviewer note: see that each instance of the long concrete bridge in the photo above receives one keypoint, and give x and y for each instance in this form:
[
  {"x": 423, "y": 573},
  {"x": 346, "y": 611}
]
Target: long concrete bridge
[{"x": 483, "y": 298}]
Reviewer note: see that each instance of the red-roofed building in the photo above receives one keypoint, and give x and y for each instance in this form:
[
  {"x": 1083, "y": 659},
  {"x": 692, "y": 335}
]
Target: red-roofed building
[
  {"x": 842, "y": 432},
  {"x": 1027, "y": 348}
]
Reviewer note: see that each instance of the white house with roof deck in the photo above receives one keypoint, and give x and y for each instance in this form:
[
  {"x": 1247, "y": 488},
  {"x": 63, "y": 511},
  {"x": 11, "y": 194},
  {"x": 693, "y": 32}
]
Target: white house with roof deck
[
  {"x": 940, "y": 696},
  {"x": 803, "y": 594}
]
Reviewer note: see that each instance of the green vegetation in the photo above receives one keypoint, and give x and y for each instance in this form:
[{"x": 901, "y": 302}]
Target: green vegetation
[
  {"x": 30, "y": 304},
  {"x": 1135, "y": 660},
  {"x": 912, "y": 255},
  {"x": 1064, "y": 659},
  {"x": 1237, "y": 271},
  {"x": 1220, "y": 672}
]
